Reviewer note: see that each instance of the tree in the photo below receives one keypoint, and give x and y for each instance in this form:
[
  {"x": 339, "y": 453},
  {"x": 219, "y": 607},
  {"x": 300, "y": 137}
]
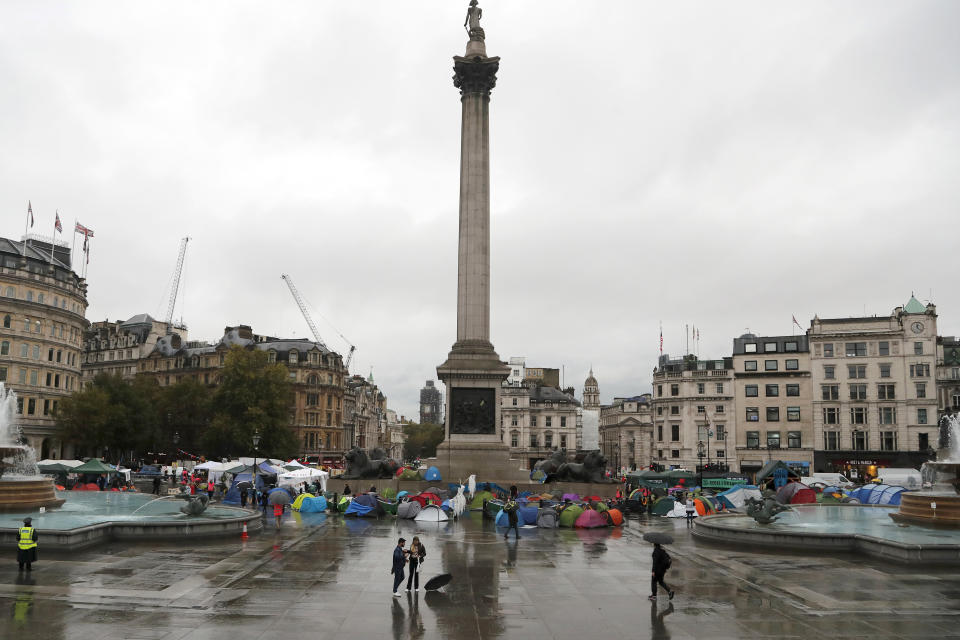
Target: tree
[
  {"x": 422, "y": 440},
  {"x": 253, "y": 395}
]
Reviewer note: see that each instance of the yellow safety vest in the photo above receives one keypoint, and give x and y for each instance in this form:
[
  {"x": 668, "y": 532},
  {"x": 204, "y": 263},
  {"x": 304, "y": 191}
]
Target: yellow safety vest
[{"x": 26, "y": 538}]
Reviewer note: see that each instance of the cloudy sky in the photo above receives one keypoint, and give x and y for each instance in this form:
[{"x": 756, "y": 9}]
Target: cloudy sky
[{"x": 724, "y": 165}]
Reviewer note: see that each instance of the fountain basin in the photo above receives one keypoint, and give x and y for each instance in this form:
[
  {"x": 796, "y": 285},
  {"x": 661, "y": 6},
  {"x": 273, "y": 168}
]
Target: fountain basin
[
  {"x": 88, "y": 518},
  {"x": 836, "y": 528}
]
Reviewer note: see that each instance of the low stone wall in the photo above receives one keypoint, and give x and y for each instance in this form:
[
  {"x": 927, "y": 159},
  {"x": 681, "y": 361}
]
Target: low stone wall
[{"x": 416, "y": 486}]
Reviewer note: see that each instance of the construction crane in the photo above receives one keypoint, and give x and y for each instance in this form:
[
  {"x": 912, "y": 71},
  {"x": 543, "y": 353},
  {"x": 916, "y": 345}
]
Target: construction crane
[
  {"x": 313, "y": 327},
  {"x": 176, "y": 282}
]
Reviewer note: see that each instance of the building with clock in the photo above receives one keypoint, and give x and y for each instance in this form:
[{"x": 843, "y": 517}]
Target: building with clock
[{"x": 874, "y": 390}]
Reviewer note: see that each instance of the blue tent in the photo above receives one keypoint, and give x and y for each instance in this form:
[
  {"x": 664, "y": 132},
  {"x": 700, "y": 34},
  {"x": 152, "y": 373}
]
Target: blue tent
[
  {"x": 233, "y": 494},
  {"x": 877, "y": 494},
  {"x": 313, "y": 505},
  {"x": 432, "y": 475}
]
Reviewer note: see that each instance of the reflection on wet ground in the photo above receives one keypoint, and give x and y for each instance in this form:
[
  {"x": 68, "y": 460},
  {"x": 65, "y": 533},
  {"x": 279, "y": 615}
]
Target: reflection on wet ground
[{"x": 329, "y": 577}]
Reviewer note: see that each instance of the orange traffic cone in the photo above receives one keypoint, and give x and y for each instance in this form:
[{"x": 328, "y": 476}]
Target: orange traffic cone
[{"x": 244, "y": 535}]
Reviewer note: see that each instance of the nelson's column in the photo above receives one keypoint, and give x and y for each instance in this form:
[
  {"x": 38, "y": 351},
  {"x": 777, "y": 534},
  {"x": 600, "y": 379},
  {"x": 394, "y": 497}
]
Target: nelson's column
[{"x": 473, "y": 371}]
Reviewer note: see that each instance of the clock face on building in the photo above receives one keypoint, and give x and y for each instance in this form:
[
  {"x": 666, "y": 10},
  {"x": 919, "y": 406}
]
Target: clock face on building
[{"x": 917, "y": 327}]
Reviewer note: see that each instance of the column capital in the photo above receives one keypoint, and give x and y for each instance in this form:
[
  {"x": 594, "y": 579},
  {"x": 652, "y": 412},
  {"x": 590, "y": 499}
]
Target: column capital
[{"x": 476, "y": 74}]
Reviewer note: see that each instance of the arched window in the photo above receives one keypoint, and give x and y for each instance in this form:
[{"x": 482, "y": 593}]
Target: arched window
[{"x": 7, "y": 320}]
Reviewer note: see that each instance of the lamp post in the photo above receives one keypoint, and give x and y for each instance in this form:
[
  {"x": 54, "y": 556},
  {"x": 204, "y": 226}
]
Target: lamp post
[{"x": 256, "y": 449}]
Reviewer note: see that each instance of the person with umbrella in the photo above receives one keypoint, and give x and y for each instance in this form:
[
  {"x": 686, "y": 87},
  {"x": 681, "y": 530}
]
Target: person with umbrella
[
  {"x": 661, "y": 562},
  {"x": 27, "y": 545}
]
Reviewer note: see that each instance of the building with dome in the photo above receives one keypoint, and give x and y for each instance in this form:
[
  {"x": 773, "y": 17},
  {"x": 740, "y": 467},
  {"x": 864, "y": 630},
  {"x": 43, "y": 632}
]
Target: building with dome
[{"x": 42, "y": 303}]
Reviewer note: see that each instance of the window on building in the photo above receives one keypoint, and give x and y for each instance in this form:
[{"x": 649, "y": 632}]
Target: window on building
[
  {"x": 675, "y": 432},
  {"x": 773, "y": 414},
  {"x": 828, "y": 350},
  {"x": 918, "y": 348},
  {"x": 794, "y": 440},
  {"x": 770, "y": 365},
  {"x": 858, "y": 415},
  {"x": 719, "y": 409},
  {"x": 921, "y": 389},
  {"x": 514, "y": 439},
  {"x": 921, "y": 416},
  {"x": 753, "y": 414},
  {"x": 883, "y": 348},
  {"x": 860, "y": 440},
  {"x": 793, "y": 390},
  {"x": 749, "y": 365},
  {"x": 855, "y": 349},
  {"x": 829, "y": 372},
  {"x": 751, "y": 390},
  {"x": 753, "y": 439},
  {"x": 857, "y": 371},
  {"x": 888, "y": 415},
  {"x": 885, "y": 370},
  {"x": 674, "y": 389},
  {"x": 888, "y": 440},
  {"x": 858, "y": 392},
  {"x": 831, "y": 440},
  {"x": 831, "y": 415},
  {"x": 886, "y": 392},
  {"x": 750, "y": 347},
  {"x": 793, "y": 414},
  {"x": 830, "y": 391},
  {"x": 772, "y": 390}
]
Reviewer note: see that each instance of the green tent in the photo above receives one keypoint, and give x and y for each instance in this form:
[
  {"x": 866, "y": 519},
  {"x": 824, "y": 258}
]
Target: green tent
[
  {"x": 94, "y": 465},
  {"x": 569, "y": 515},
  {"x": 663, "y": 506},
  {"x": 477, "y": 503}
]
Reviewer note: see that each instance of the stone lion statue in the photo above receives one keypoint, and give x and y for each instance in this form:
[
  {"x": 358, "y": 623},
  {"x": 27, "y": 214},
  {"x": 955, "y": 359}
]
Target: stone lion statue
[
  {"x": 592, "y": 469},
  {"x": 376, "y": 465},
  {"x": 551, "y": 465},
  {"x": 764, "y": 510}
]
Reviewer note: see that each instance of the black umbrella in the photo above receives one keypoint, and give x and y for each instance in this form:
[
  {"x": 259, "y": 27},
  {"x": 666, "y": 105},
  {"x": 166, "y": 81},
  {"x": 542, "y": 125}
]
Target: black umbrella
[
  {"x": 436, "y": 582},
  {"x": 658, "y": 538}
]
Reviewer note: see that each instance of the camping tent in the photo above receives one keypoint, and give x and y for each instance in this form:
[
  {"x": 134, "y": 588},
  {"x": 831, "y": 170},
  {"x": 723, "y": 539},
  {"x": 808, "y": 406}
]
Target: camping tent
[
  {"x": 878, "y": 494},
  {"x": 547, "y": 518},
  {"x": 431, "y": 513},
  {"x": 737, "y": 496},
  {"x": 796, "y": 493},
  {"x": 568, "y": 517},
  {"x": 590, "y": 519}
]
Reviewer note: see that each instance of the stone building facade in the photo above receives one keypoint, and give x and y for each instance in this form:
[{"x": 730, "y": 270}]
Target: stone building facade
[
  {"x": 536, "y": 420},
  {"x": 948, "y": 374},
  {"x": 874, "y": 390},
  {"x": 691, "y": 398},
  {"x": 42, "y": 306},
  {"x": 431, "y": 404},
  {"x": 626, "y": 432},
  {"x": 117, "y": 347},
  {"x": 317, "y": 375},
  {"x": 774, "y": 411}
]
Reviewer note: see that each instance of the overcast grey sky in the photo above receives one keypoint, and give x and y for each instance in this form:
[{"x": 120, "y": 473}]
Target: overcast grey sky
[{"x": 723, "y": 164}]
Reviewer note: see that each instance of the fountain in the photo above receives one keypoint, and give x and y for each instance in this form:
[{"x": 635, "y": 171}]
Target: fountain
[
  {"x": 938, "y": 505},
  {"x": 21, "y": 485}
]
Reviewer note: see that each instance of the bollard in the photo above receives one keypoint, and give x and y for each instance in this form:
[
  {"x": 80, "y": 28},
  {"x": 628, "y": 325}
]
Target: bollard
[{"x": 244, "y": 535}]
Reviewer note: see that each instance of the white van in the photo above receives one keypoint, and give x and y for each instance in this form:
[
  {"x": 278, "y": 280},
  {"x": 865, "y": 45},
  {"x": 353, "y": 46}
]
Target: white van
[
  {"x": 900, "y": 477},
  {"x": 829, "y": 479}
]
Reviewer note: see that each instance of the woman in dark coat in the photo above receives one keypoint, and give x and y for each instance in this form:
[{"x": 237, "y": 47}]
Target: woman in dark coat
[{"x": 26, "y": 545}]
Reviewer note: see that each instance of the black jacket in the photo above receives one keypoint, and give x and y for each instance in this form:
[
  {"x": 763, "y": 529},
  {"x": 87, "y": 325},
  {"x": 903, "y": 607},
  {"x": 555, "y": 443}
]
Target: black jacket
[{"x": 661, "y": 560}]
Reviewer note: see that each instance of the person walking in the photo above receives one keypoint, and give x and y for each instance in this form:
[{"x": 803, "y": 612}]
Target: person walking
[
  {"x": 691, "y": 510},
  {"x": 661, "y": 562},
  {"x": 27, "y": 545},
  {"x": 417, "y": 555},
  {"x": 399, "y": 560}
]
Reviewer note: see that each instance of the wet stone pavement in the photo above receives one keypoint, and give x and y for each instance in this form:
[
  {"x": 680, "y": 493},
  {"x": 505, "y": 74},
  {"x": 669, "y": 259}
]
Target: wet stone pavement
[{"x": 328, "y": 577}]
